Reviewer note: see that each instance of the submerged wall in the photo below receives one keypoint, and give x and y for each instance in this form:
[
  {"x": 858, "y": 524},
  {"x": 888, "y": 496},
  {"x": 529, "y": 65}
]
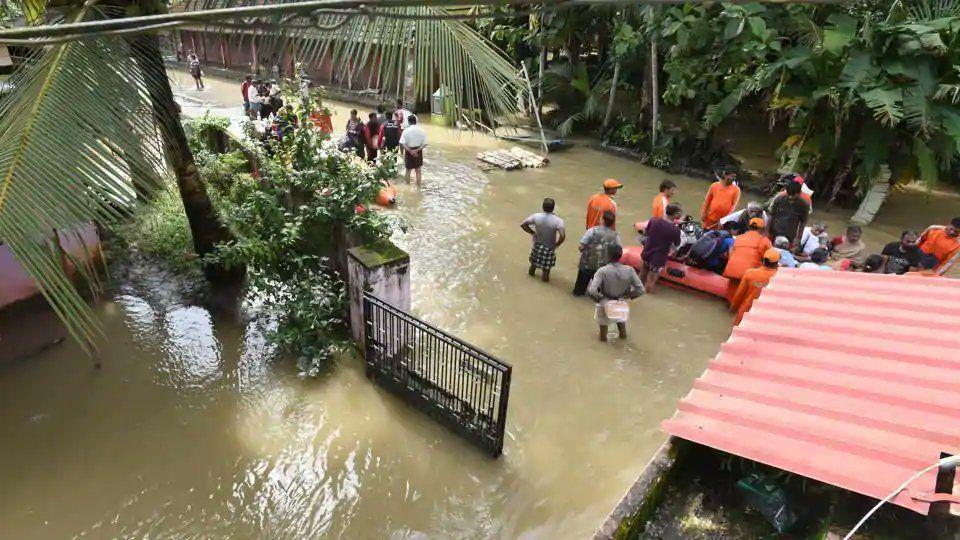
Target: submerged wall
[{"x": 382, "y": 269}]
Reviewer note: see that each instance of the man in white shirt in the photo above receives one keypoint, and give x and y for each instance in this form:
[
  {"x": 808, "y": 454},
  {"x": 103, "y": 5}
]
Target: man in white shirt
[
  {"x": 412, "y": 140},
  {"x": 253, "y": 96},
  {"x": 402, "y": 115},
  {"x": 812, "y": 238}
]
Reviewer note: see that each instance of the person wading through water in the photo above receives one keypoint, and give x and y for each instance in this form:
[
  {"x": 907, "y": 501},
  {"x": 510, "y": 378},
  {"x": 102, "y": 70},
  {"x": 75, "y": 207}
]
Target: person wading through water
[
  {"x": 663, "y": 235},
  {"x": 371, "y": 136},
  {"x": 413, "y": 140},
  {"x": 747, "y": 251},
  {"x": 390, "y": 133},
  {"x": 402, "y": 115},
  {"x": 195, "y": 71},
  {"x": 594, "y": 250},
  {"x": 548, "y": 233},
  {"x": 247, "y": 81},
  {"x": 256, "y": 102},
  {"x": 610, "y": 286},
  {"x": 354, "y": 131}
]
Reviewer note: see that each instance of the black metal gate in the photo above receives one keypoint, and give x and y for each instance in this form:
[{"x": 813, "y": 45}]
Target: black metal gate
[{"x": 458, "y": 384}]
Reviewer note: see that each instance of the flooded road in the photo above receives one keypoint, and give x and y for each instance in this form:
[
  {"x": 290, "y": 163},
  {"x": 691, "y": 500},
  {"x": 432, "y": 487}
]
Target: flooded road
[{"x": 196, "y": 428}]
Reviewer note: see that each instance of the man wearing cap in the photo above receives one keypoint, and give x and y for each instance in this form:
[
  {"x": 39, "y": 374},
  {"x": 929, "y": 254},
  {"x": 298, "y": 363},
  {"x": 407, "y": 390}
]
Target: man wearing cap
[
  {"x": 602, "y": 202},
  {"x": 753, "y": 283},
  {"x": 747, "y": 251},
  {"x": 721, "y": 200}
]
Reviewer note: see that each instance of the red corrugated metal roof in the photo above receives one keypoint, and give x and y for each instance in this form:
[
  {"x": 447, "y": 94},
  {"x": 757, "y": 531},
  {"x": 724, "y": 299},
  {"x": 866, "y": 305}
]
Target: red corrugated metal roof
[{"x": 848, "y": 378}]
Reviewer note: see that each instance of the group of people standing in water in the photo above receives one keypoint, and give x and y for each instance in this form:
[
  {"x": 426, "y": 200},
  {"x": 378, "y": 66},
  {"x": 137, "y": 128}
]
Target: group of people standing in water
[
  {"x": 387, "y": 130},
  {"x": 747, "y": 246}
]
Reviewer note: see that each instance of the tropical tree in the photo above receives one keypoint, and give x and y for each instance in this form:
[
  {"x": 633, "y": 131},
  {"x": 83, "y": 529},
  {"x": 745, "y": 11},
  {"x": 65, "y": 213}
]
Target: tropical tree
[
  {"x": 91, "y": 125},
  {"x": 865, "y": 99},
  {"x": 579, "y": 98}
]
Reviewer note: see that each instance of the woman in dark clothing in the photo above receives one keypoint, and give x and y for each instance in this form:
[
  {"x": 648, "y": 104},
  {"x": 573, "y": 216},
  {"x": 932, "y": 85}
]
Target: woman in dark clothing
[{"x": 355, "y": 130}]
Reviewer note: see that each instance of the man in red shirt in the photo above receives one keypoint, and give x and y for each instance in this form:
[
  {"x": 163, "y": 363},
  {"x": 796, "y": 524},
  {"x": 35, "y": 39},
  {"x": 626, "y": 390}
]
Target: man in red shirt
[
  {"x": 247, "y": 81},
  {"x": 602, "y": 202}
]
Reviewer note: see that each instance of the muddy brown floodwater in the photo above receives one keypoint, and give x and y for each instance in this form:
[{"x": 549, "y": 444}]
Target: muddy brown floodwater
[{"x": 196, "y": 428}]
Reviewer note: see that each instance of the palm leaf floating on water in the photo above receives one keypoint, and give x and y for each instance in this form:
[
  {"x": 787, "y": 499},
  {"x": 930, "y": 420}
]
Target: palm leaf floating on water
[{"x": 77, "y": 143}]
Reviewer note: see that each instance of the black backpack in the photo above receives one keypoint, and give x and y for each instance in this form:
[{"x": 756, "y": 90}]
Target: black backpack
[{"x": 707, "y": 245}]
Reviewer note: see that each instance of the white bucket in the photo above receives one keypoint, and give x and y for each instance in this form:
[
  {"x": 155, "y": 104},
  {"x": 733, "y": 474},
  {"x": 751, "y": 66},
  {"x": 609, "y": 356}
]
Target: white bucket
[{"x": 618, "y": 311}]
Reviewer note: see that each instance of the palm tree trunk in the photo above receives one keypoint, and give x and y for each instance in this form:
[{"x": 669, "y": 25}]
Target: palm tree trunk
[
  {"x": 542, "y": 68},
  {"x": 654, "y": 93},
  {"x": 613, "y": 93},
  {"x": 205, "y": 226},
  {"x": 872, "y": 201}
]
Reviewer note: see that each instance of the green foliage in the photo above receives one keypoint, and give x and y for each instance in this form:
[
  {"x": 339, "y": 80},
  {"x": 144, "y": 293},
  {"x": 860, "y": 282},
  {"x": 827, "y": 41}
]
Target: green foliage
[
  {"x": 632, "y": 135},
  {"x": 160, "y": 230},
  {"x": 290, "y": 223},
  {"x": 579, "y": 99},
  {"x": 221, "y": 170},
  {"x": 199, "y": 128},
  {"x": 860, "y": 93},
  {"x": 9, "y": 13}
]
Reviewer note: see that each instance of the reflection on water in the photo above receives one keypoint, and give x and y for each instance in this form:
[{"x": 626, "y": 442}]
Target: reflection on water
[{"x": 196, "y": 428}]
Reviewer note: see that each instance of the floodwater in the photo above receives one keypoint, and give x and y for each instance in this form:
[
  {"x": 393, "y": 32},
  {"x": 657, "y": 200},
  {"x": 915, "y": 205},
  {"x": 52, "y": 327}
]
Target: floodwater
[{"x": 197, "y": 428}]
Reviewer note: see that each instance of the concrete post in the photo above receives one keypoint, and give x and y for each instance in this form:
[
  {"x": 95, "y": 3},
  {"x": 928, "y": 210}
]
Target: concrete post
[{"x": 382, "y": 269}]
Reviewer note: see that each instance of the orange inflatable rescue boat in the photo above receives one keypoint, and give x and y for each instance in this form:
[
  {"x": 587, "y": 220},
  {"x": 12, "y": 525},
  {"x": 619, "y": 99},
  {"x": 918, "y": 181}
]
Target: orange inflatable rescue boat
[{"x": 679, "y": 274}]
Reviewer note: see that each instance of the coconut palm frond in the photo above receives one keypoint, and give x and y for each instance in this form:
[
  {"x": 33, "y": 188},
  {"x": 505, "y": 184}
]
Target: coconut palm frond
[
  {"x": 565, "y": 128},
  {"x": 391, "y": 48},
  {"x": 926, "y": 10},
  {"x": 77, "y": 144}
]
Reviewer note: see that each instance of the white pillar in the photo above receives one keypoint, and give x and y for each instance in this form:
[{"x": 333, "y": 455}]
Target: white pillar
[{"x": 382, "y": 269}]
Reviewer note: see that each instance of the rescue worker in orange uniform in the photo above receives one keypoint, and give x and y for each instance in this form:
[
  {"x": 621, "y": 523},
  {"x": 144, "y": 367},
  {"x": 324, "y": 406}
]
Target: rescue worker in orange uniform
[
  {"x": 602, "y": 202},
  {"x": 753, "y": 283},
  {"x": 748, "y": 250},
  {"x": 667, "y": 190},
  {"x": 941, "y": 242},
  {"x": 721, "y": 200}
]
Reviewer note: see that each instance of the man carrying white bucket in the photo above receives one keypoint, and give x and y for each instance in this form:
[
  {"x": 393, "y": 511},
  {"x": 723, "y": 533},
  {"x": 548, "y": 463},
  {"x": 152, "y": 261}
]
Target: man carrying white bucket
[{"x": 611, "y": 287}]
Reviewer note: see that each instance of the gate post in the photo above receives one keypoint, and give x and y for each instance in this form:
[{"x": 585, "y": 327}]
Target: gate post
[{"x": 382, "y": 269}]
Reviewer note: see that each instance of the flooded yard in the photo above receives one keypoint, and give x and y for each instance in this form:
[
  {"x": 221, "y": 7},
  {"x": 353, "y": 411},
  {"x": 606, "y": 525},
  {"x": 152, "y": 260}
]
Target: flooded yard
[{"x": 195, "y": 427}]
